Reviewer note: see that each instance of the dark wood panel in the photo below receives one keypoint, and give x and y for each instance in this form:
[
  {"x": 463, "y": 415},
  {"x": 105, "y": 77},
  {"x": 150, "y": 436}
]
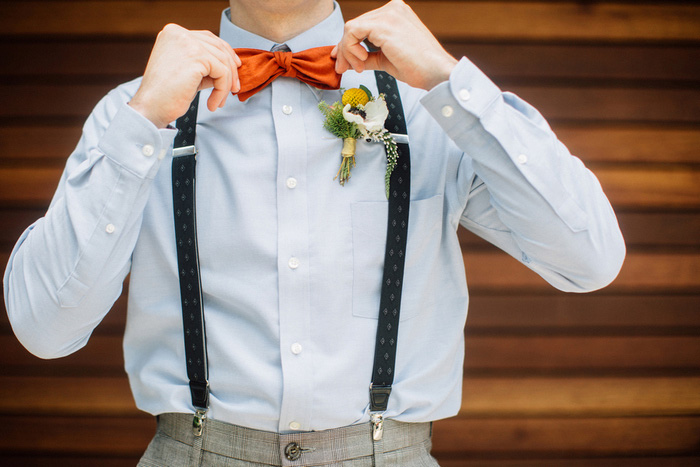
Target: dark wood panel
[
  {"x": 458, "y": 461},
  {"x": 447, "y": 19},
  {"x": 90, "y": 435},
  {"x": 102, "y": 356},
  {"x": 593, "y": 144},
  {"x": 557, "y": 103},
  {"x": 597, "y": 313},
  {"x": 608, "y": 436},
  {"x": 572, "y": 437},
  {"x": 523, "y": 354},
  {"x": 511, "y": 63},
  {"x": 655, "y": 460},
  {"x": 552, "y": 313}
]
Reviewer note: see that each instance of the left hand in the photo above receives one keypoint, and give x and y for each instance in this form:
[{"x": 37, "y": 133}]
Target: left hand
[{"x": 407, "y": 49}]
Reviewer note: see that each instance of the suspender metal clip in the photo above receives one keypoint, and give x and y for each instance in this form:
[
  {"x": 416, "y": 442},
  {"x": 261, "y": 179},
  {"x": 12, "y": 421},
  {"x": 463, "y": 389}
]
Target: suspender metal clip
[
  {"x": 200, "y": 417},
  {"x": 377, "y": 421}
]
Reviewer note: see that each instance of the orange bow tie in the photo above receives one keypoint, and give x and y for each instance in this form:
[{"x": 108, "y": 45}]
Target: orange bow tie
[{"x": 259, "y": 68}]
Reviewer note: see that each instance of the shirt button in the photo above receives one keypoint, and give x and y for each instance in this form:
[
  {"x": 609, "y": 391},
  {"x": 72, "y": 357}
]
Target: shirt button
[
  {"x": 522, "y": 159},
  {"x": 464, "y": 94},
  {"x": 295, "y": 425},
  {"x": 147, "y": 150},
  {"x": 110, "y": 228},
  {"x": 287, "y": 109},
  {"x": 291, "y": 182},
  {"x": 447, "y": 111},
  {"x": 161, "y": 154},
  {"x": 293, "y": 262},
  {"x": 297, "y": 348}
]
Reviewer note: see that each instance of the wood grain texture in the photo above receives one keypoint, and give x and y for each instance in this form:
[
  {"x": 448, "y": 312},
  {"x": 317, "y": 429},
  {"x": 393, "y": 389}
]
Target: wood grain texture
[
  {"x": 482, "y": 397},
  {"x": 610, "y": 378},
  {"x": 495, "y": 20}
]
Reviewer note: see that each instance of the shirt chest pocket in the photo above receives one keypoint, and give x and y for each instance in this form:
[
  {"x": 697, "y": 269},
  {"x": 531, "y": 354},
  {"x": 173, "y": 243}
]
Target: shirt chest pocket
[{"x": 369, "y": 225}]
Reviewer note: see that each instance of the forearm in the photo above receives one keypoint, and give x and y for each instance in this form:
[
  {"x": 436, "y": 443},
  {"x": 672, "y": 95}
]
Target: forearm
[
  {"x": 67, "y": 270},
  {"x": 545, "y": 208}
]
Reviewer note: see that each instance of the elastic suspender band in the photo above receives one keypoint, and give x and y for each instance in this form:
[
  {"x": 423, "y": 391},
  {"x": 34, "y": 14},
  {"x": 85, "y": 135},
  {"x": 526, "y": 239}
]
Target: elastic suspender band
[
  {"x": 183, "y": 180},
  {"x": 394, "y": 259}
]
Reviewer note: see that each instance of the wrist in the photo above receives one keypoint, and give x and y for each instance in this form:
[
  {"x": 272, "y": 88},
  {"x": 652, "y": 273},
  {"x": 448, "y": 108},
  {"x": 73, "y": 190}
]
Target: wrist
[{"x": 138, "y": 104}]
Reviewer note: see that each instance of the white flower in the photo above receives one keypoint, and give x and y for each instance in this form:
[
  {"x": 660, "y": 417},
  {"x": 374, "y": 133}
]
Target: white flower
[{"x": 375, "y": 112}]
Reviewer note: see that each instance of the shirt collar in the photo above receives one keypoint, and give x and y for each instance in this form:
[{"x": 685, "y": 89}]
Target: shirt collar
[{"x": 327, "y": 32}]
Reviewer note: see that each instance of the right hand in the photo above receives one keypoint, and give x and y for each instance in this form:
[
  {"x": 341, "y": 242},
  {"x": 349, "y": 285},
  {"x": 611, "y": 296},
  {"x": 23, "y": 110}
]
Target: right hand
[{"x": 182, "y": 63}]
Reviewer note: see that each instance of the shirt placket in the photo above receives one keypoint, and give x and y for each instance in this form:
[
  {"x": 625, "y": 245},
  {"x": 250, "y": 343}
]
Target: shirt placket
[{"x": 293, "y": 255}]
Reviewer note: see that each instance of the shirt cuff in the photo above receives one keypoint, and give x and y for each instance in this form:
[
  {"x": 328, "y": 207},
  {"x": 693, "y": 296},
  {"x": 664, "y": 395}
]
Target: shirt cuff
[
  {"x": 134, "y": 142},
  {"x": 459, "y": 103}
]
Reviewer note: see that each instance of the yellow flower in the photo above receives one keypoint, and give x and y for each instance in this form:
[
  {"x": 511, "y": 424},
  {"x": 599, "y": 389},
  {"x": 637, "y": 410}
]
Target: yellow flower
[{"x": 355, "y": 97}]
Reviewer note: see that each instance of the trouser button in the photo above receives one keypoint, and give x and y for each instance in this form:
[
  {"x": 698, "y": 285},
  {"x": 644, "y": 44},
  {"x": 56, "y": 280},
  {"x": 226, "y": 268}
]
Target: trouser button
[{"x": 292, "y": 451}]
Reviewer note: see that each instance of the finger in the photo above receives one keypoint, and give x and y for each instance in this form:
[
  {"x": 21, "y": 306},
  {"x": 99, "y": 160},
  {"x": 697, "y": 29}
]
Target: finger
[
  {"x": 375, "y": 61},
  {"x": 354, "y": 62}
]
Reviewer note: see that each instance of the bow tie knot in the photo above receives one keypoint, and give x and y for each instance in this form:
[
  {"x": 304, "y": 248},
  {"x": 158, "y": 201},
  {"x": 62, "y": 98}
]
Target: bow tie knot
[
  {"x": 260, "y": 67},
  {"x": 284, "y": 60}
]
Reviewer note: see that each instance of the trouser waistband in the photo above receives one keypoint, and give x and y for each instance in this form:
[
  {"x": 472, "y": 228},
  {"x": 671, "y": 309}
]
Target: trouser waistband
[{"x": 315, "y": 447}]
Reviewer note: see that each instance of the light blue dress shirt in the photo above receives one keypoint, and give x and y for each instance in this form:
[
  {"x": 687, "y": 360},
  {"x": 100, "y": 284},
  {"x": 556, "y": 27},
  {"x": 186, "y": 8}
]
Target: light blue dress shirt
[{"x": 291, "y": 261}]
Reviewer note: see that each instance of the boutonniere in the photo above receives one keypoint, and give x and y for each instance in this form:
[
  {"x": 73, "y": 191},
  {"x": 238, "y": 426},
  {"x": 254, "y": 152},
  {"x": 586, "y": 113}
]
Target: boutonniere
[{"x": 359, "y": 115}]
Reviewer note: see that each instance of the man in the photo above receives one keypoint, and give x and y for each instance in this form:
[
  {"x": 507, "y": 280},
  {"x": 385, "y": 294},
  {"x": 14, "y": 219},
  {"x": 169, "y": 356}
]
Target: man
[{"x": 291, "y": 262}]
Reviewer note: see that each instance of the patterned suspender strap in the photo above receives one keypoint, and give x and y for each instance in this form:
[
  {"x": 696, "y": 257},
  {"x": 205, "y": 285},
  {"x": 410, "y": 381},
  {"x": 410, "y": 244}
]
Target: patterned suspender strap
[
  {"x": 394, "y": 259},
  {"x": 183, "y": 179}
]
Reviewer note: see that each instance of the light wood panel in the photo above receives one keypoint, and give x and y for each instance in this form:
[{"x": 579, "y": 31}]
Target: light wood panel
[
  {"x": 482, "y": 397},
  {"x": 675, "y": 187}
]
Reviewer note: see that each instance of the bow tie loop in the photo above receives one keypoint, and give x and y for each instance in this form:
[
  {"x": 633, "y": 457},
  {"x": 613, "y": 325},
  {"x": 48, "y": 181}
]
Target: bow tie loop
[{"x": 260, "y": 67}]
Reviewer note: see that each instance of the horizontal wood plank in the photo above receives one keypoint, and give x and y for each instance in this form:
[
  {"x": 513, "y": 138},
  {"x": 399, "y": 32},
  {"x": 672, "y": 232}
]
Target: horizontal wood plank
[
  {"x": 100, "y": 59},
  {"x": 568, "y": 353},
  {"x": 557, "y": 103},
  {"x": 579, "y": 397},
  {"x": 572, "y": 437},
  {"x": 559, "y": 460},
  {"x": 641, "y": 271},
  {"x": 608, "y": 436},
  {"x": 523, "y": 354},
  {"x": 597, "y": 314},
  {"x": 534, "y": 21},
  {"x": 482, "y": 397},
  {"x": 641, "y": 230},
  {"x": 89, "y": 435},
  {"x": 675, "y": 187},
  {"x": 593, "y": 144}
]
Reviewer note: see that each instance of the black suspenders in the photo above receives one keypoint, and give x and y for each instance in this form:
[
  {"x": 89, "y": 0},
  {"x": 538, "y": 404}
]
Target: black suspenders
[{"x": 183, "y": 180}]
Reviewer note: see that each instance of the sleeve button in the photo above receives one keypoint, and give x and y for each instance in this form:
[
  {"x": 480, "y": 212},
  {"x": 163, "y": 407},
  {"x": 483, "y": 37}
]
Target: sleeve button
[
  {"x": 147, "y": 150},
  {"x": 447, "y": 111},
  {"x": 464, "y": 94}
]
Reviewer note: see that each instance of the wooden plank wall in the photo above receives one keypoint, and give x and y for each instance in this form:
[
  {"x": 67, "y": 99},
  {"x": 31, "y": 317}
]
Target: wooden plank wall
[{"x": 609, "y": 378}]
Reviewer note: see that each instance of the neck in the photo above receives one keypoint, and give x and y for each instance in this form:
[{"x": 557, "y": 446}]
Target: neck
[{"x": 279, "y": 20}]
